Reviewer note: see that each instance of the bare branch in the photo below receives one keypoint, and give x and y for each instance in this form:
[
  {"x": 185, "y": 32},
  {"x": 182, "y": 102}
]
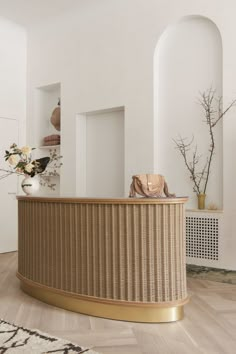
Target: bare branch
[
  {"x": 200, "y": 179},
  {"x": 184, "y": 148},
  {"x": 233, "y": 103}
]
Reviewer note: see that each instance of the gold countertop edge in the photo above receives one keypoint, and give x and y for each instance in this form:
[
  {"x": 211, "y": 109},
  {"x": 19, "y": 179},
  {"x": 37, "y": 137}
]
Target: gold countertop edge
[
  {"x": 137, "y": 304},
  {"x": 43, "y": 199}
]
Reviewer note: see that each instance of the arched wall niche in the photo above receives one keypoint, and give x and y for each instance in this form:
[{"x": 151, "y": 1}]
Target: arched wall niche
[{"x": 187, "y": 61}]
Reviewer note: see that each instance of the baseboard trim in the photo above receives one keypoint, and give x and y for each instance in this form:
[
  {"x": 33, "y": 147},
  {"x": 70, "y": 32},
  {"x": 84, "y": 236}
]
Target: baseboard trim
[{"x": 111, "y": 309}]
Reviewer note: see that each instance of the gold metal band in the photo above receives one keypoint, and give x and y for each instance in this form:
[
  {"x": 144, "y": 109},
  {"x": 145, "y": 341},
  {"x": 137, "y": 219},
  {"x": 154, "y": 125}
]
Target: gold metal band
[{"x": 117, "y": 310}]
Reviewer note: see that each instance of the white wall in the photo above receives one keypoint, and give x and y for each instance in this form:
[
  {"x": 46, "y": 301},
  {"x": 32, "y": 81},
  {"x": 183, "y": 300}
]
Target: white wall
[
  {"x": 12, "y": 121},
  {"x": 100, "y": 153},
  {"x": 105, "y": 154},
  {"x": 188, "y": 60},
  {"x": 103, "y": 56},
  {"x": 9, "y": 133},
  {"x": 13, "y": 73}
]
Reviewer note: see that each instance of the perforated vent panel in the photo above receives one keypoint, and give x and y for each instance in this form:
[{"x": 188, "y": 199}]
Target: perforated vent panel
[{"x": 202, "y": 237}]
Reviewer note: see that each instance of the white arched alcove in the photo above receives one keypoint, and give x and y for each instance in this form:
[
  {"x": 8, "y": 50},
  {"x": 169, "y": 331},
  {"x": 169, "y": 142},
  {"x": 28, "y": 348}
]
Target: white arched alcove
[{"x": 187, "y": 60}]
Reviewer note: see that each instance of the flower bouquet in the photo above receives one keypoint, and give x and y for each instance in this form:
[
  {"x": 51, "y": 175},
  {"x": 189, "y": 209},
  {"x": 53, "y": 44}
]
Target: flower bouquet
[{"x": 21, "y": 163}]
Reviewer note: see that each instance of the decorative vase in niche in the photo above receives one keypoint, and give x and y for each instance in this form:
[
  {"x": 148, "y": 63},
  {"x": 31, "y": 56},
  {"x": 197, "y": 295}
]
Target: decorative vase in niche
[
  {"x": 30, "y": 185},
  {"x": 201, "y": 200},
  {"x": 56, "y": 117}
]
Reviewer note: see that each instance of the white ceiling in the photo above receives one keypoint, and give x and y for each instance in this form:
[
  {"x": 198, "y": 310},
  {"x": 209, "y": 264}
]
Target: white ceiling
[{"x": 29, "y": 12}]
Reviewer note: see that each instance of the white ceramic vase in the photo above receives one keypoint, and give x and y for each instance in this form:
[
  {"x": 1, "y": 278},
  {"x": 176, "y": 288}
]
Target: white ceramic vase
[{"x": 30, "y": 185}]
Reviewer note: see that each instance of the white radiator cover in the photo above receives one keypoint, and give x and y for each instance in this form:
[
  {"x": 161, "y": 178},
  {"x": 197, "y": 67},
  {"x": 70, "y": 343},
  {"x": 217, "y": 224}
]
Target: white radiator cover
[{"x": 204, "y": 237}]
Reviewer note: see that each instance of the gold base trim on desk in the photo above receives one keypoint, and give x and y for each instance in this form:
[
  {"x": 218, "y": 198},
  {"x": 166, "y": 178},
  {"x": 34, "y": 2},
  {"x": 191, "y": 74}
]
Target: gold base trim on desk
[{"x": 111, "y": 309}]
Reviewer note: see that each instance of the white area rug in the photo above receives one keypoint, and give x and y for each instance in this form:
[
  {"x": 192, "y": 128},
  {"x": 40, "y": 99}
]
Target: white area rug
[{"x": 20, "y": 340}]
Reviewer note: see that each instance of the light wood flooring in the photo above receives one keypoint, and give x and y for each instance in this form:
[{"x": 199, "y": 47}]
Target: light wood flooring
[{"x": 209, "y": 325}]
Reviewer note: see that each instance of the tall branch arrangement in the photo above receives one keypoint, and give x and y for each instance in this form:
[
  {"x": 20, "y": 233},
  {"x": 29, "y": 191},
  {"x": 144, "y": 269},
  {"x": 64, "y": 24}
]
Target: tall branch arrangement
[{"x": 213, "y": 112}]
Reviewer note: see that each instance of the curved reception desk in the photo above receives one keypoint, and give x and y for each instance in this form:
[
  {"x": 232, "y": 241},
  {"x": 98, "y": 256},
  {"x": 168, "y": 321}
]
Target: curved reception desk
[{"x": 121, "y": 259}]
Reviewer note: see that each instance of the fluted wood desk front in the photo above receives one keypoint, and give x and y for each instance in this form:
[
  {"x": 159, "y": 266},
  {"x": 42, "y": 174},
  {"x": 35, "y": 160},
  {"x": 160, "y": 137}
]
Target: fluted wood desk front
[{"x": 115, "y": 258}]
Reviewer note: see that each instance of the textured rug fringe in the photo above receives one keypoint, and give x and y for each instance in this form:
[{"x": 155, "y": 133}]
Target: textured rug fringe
[{"x": 16, "y": 339}]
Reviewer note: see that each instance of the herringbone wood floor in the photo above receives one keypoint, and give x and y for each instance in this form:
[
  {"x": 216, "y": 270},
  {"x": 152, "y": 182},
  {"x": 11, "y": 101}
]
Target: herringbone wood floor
[{"x": 209, "y": 325}]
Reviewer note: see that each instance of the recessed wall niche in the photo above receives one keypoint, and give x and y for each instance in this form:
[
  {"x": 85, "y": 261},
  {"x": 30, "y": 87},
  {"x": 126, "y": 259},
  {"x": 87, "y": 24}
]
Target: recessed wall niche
[
  {"x": 45, "y": 100},
  {"x": 187, "y": 60},
  {"x": 100, "y": 153}
]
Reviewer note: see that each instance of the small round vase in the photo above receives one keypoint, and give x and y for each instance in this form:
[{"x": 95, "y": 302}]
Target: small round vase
[{"x": 30, "y": 185}]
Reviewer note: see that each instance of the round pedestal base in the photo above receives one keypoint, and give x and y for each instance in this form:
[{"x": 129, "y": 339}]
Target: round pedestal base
[{"x": 111, "y": 309}]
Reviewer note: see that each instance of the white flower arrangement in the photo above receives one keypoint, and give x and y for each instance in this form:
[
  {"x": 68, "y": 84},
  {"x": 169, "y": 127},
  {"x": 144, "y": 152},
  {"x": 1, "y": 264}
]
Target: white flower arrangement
[{"x": 21, "y": 163}]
